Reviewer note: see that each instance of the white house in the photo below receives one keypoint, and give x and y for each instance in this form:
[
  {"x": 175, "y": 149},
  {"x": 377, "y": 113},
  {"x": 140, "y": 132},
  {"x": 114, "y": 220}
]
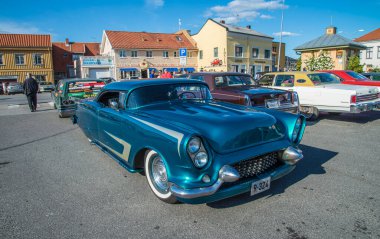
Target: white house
[{"x": 370, "y": 56}]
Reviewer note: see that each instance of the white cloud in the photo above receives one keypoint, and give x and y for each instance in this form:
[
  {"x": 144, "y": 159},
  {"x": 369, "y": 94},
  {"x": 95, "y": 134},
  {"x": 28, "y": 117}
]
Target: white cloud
[
  {"x": 154, "y": 3},
  {"x": 239, "y": 10},
  {"x": 361, "y": 30},
  {"x": 263, "y": 16},
  {"x": 14, "y": 27},
  {"x": 286, "y": 34}
]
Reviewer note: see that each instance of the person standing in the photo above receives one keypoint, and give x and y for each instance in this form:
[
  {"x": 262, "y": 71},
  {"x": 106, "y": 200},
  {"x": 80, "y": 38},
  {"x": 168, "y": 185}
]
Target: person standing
[
  {"x": 166, "y": 74},
  {"x": 30, "y": 89}
]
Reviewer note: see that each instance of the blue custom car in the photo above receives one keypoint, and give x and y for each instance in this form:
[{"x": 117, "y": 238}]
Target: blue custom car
[{"x": 191, "y": 148}]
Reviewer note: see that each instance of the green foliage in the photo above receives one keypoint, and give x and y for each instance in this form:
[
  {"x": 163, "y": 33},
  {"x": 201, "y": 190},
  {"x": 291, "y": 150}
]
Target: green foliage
[
  {"x": 299, "y": 64},
  {"x": 322, "y": 62},
  {"x": 376, "y": 69},
  {"x": 354, "y": 64}
]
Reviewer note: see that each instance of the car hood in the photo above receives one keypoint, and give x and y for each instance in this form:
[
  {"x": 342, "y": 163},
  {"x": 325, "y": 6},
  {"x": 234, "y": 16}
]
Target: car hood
[
  {"x": 225, "y": 127},
  {"x": 252, "y": 90},
  {"x": 360, "y": 90}
]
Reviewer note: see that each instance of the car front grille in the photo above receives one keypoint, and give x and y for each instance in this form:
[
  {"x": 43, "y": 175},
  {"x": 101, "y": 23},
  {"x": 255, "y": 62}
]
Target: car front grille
[
  {"x": 368, "y": 97},
  {"x": 255, "y": 166}
]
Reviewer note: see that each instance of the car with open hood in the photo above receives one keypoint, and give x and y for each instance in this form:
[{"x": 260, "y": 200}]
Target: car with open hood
[
  {"x": 239, "y": 88},
  {"x": 323, "y": 92},
  {"x": 69, "y": 91},
  {"x": 191, "y": 148}
]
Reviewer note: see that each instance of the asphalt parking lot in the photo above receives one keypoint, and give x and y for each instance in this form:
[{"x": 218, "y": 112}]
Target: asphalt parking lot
[{"x": 54, "y": 184}]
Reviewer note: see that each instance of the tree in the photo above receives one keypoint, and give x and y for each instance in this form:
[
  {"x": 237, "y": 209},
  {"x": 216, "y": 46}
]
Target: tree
[
  {"x": 354, "y": 64},
  {"x": 299, "y": 64},
  {"x": 322, "y": 62}
]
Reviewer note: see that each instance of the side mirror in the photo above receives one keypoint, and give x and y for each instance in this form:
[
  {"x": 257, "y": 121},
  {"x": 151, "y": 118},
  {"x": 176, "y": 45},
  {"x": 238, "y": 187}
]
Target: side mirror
[{"x": 114, "y": 105}]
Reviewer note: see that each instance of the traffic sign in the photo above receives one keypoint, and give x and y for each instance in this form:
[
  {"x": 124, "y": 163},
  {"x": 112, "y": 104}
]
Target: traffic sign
[{"x": 182, "y": 52}]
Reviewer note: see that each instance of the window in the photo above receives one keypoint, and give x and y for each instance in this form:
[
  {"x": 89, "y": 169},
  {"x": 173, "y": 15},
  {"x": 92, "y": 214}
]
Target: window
[
  {"x": 378, "y": 52},
  {"x": 134, "y": 54},
  {"x": 76, "y": 56},
  {"x": 200, "y": 54},
  {"x": 215, "y": 52},
  {"x": 274, "y": 49},
  {"x": 235, "y": 68},
  {"x": 108, "y": 97},
  {"x": 266, "y": 80},
  {"x": 255, "y": 52},
  {"x": 37, "y": 59},
  {"x": 40, "y": 78},
  {"x": 369, "y": 52},
  {"x": 175, "y": 54},
  {"x": 165, "y": 54},
  {"x": 267, "y": 54},
  {"x": 1, "y": 59},
  {"x": 19, "y": 59},
  {"x": 238, "y": 51},
  {"x": 266, "y": 69},
  {"x": 284, "y": 80},
  {"x": 149, "y": 54},
  {"x": 64, "y": 54},
  {"x": 122, "y": 53}
]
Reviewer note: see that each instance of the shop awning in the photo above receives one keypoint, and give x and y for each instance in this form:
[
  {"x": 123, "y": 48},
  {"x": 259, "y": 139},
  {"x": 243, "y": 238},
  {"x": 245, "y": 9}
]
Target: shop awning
[
  {"x": 128, "y": 69},
  {"x": 188, "y": 69},
  {"x": 171, "y": 69}
]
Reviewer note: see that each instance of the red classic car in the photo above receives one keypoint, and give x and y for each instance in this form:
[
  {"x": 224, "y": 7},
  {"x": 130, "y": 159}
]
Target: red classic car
[{"x": 353, "y": 78}]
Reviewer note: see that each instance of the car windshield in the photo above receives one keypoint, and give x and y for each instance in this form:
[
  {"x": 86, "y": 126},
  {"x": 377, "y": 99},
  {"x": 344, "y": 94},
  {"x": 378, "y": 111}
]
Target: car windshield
[
  {"x": 84, "y": 89},
  {"x": 323, "y": 78},
  {"x": 165, "y": 93},
  {"x": 239, "y": 80},
  {"x": 356, "y": 75}
]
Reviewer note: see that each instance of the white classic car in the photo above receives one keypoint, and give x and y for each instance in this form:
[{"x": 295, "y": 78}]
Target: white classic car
[{"x": 323, "y": 92}]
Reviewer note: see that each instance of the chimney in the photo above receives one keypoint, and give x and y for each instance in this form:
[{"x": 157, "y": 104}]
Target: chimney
[
  {"x": 189, "y": 32},
  {"x": 67, "y": 42},
  {"x": 222, "y": 21},
  {"x": 331, "y": 30},
  {"x": 248, "y": 26}
]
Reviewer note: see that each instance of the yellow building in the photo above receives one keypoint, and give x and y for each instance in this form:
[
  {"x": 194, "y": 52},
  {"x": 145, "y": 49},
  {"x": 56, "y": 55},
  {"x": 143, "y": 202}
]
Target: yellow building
[
  {"x": 25, "y": 53},
  {"x": 336, "y": 46},
  {"x": 223, "y": 47}
]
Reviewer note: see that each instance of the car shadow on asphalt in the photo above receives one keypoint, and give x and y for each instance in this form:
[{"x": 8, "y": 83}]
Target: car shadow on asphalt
[
  {"x": 311, "y": 164},
  {"x": 361, "y": 118}
]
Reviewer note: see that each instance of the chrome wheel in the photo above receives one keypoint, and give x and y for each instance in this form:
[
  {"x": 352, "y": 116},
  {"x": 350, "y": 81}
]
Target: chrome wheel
[{"x": 159, "y": 175}]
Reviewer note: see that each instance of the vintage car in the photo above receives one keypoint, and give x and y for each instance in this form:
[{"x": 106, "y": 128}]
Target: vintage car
[
  {"x": 239, "y": 88},
  {"x": 14, "y": 88},
  {"x": 375, "y": 76},
  {"x": 323, "y": 92},
  {"x": 69, "y": 91},
  {"x": 45, "y": 86},
  {"x": 191, "y": 148},
  {"x": 353, "y": 78}
]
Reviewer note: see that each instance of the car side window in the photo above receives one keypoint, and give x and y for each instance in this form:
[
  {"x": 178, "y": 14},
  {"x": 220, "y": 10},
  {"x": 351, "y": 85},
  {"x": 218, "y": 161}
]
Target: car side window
[
  {"x": 107, "y": 97},
  {"x": 266, "y": 80},
  {"x": 284, "y": 80},
  {"x": 219, "y": 81}
]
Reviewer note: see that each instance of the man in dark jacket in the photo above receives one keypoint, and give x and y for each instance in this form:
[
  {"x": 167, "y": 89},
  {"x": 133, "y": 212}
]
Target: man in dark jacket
[{"x": 30, "y": 90}]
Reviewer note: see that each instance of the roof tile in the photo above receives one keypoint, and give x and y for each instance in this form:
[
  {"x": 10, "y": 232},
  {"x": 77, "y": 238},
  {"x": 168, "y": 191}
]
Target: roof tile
[
  {"x": 328, "y": 40},
  {"x": 372, "y": 36},
  {"x": 25, "y": 40}
]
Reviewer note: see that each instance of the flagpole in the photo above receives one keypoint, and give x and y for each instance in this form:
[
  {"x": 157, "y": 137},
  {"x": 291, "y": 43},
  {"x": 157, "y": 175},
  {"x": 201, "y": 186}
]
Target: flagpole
[{"x": 282, "y": 23}]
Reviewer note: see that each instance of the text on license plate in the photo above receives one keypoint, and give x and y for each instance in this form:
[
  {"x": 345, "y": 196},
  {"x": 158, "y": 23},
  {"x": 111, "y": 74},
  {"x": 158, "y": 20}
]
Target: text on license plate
[
  {"x": 260, "y": 186},
  {"x": 272, "y": 103}
]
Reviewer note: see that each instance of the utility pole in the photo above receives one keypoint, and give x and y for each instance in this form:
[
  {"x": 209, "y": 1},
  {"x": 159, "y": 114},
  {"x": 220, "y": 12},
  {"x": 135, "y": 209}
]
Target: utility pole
[{"x": 282, "y": 21}]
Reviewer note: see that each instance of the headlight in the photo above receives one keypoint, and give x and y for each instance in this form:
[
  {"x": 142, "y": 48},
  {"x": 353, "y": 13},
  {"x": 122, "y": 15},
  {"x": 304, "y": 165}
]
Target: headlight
[
  {"x": 194, "y": 145},
  {"x": 197, "y": 152},
  {"x": 297, "y": 129},
  {"x": 295, "y": 98},
  {"x": 200, "y": 159}
]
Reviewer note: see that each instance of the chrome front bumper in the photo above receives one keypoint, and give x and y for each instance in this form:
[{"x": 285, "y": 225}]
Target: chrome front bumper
[
  {"x": 227, "y": 173},
  {"x": 365, "y": 106}
]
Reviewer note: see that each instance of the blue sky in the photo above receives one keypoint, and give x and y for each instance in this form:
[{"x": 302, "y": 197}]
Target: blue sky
[{"x": 85, "y": 20}]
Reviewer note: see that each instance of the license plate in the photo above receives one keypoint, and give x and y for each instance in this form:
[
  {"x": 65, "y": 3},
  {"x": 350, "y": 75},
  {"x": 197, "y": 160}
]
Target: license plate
[
  {"x": 260, "y": 186},
  {"x": 272, "y": 103}
]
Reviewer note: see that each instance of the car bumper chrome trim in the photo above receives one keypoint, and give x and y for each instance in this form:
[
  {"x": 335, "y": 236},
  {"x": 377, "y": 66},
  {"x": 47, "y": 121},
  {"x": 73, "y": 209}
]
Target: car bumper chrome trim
[
  {"x": 226, "y": 174},
  {"x": 365, "y": 106},
  {"x": 291, "y": 155}
]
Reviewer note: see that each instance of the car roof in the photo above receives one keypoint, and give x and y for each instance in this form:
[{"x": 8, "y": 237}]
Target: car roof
[
  {"x": 293, "y": 72},
  {"x": 371, "y": 73},
  {"x": 79, "y": 79},
  {"x": 219, "y": 73},
  {"x": 132, "y": 84}
]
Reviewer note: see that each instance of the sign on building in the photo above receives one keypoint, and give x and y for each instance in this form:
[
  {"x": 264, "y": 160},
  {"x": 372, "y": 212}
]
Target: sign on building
[{"x": 182, "y": 56}]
